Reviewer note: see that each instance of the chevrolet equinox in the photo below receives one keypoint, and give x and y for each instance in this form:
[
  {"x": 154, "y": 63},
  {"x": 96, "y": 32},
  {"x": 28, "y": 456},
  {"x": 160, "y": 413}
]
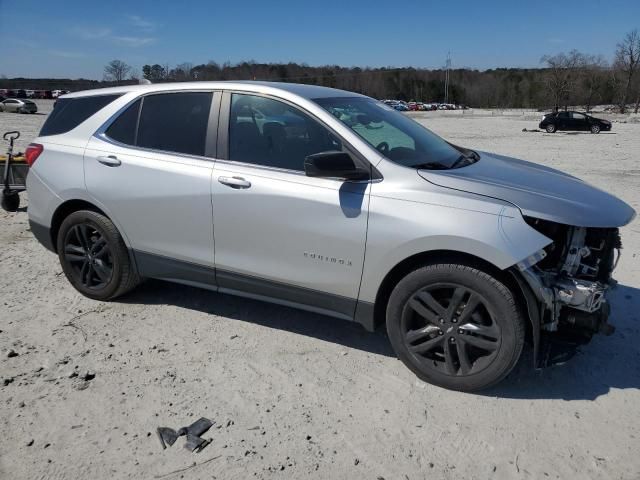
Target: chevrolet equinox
[{"x": 328, "y": 201}]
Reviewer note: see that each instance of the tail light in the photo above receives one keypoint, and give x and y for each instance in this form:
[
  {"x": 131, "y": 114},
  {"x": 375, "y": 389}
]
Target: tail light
[{"x": 32, "y": 153}]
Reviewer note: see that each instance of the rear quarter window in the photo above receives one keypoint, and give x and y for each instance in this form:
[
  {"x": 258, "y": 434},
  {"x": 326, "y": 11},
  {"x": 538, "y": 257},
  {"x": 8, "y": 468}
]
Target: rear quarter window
[{"x": 68, "y": 113}]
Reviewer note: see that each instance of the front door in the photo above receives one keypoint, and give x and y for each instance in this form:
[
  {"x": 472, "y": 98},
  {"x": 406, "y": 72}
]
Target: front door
[
  {"x": 149, "y": 172},
  {"x": 580, "y": 121},
  {"x": 278, "y": 233}
]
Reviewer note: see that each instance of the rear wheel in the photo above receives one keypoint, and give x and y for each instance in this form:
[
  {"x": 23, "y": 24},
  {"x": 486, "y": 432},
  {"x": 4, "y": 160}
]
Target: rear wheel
[
  {"x": 551, "y": 128},
  {"x": 94, "y": 257},
  {"x": 595, "y": 128},
  {"x": 455, "y": 326}
]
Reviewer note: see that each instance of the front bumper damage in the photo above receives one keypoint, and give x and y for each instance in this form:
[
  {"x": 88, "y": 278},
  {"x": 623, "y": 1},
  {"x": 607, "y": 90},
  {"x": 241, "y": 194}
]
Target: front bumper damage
[{"x": 569, "y": 282}]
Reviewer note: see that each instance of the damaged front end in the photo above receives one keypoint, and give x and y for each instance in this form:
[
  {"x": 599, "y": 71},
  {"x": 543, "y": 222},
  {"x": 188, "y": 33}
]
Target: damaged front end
[{"x": 570, "y": 279}]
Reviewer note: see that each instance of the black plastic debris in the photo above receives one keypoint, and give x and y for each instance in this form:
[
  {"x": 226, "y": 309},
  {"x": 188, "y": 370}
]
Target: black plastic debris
[{"x": 194, "y": 441}]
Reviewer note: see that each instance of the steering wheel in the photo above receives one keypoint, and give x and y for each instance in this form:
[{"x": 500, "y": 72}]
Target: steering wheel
[{"x": 383, "y": 148}]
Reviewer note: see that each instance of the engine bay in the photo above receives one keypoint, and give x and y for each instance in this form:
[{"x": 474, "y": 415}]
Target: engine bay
[{"x": 572, "y": 275}]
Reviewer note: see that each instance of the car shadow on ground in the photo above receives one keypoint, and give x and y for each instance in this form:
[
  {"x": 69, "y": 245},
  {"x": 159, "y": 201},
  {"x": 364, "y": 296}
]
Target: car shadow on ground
[
  {"x": 322, "y": 327},
  {"x": 583, "y": 133},
  {"x": 603, "y": 364}
]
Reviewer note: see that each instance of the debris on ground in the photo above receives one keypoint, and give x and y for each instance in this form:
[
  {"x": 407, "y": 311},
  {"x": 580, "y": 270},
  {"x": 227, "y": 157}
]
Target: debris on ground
[{"x": 194, "y": 441}]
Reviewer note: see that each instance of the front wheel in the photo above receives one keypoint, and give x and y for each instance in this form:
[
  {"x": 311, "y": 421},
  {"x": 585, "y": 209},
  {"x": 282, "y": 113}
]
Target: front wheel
[
  {"x": 551, "y": 128},
  {"x": 94, "y": 257},
  {"x": 595, "y": 128},
  {"x": 455, "y": 326}
]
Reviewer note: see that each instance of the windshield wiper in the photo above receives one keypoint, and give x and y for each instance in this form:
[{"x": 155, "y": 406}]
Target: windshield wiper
[
  {"x": 471, "y": 158},
  {"x": 431, "y": 166}
]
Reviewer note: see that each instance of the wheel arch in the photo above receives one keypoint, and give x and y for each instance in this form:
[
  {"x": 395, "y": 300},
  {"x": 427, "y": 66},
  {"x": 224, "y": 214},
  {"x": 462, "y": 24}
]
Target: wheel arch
[
  {"x": 508, "y": 277},
  {"x": 67, "y": 208},
  {"x": 64, "y": 210}
]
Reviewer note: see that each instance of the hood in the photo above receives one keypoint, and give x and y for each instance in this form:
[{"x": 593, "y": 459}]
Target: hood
[{"x": 538, "y": 191}]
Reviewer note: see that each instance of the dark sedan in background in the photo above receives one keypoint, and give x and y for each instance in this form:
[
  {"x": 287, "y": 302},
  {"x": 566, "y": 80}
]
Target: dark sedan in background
[{"x": 576, "y": 121}]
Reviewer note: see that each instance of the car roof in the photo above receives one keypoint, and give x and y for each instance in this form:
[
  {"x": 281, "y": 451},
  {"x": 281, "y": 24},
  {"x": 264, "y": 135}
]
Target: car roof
[{"x": 298, "y": 89}]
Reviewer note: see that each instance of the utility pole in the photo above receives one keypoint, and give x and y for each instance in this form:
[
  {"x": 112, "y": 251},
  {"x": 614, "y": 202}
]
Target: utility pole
[{"x": 446, "y": 78}]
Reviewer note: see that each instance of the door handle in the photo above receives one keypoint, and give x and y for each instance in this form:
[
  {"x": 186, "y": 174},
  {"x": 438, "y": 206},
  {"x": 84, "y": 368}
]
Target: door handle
[
  {"x": 110, "y": 161},
  {"x": 234, "y": 182}
]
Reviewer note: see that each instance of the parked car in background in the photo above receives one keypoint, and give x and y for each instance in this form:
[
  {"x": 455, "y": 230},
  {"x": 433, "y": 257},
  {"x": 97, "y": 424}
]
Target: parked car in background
[
  {"x": 463, "y": 254},
  {"x": 58, "y": 93},
  {"x": 16, "y": 105},
  {"x": 573, "y": 121}
]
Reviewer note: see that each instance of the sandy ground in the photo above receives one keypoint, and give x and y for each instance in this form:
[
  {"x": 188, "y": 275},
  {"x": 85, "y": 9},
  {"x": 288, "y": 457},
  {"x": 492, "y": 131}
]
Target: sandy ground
[{"x": 298, "y": 395}]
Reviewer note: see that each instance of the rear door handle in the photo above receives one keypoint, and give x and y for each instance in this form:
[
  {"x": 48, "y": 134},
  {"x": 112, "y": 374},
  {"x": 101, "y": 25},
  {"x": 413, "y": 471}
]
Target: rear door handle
[
  {"x": 234, "y": 182},
  {"x": 110, "y": 161}
]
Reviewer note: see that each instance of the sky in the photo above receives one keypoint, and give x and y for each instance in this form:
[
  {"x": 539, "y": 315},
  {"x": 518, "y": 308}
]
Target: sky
[{"x": 76, "y": 38}]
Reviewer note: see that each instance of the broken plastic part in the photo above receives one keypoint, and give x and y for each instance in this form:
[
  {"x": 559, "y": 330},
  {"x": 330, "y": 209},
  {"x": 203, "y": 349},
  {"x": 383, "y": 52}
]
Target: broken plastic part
[
  {"x": 195, "y": 444},
  {"x": 168, "y": 436}
]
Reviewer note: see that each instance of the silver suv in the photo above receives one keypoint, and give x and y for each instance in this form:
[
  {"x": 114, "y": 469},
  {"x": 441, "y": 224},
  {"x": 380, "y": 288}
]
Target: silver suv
[{"x": 328, "y": 201}]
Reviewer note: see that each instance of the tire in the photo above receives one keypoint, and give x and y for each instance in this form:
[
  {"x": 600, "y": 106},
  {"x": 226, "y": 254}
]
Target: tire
[
  {"x": 595, "y": 129},
  {"x": 471, "y": 347},
  {"x": 94, "y": 257},
  {"x": 551, "y": 128},
  {"x": 11, "y": 201}
]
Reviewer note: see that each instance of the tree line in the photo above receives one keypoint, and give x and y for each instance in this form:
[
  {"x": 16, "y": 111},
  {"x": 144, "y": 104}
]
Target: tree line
[{"x": 564, "y": 79}]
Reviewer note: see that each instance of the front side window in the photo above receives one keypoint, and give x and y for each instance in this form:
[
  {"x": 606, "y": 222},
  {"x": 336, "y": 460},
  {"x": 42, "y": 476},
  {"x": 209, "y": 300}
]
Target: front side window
[
  {"x": 396, "y": 136},
  {"x": 68, "y": 113},
  {"x": 264, "y": 131}
]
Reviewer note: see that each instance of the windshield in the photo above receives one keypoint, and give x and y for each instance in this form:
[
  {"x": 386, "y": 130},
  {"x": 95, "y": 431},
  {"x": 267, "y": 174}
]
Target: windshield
[{"x": 396, "y": 136}]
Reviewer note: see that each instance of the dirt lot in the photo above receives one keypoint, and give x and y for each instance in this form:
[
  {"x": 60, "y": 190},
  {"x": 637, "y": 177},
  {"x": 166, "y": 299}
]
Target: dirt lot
[{"x": 298, "y": 395}]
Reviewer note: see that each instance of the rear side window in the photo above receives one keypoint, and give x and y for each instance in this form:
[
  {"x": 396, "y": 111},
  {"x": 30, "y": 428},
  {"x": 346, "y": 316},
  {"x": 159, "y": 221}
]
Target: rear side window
[
  {"x": 175, "y": 122},
  {"x": 68, "y": 113},
  {"x": 123, "y": 129}
]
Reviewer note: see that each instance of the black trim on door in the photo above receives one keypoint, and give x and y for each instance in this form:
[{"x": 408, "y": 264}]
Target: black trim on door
[
  {"x": 211, "y": 141},
  {"x": 223, "y": 126},
  {"x": 164, "y": 268},
  {"x": 157, "y": 266},
  {"x": 330, "y": 304}
]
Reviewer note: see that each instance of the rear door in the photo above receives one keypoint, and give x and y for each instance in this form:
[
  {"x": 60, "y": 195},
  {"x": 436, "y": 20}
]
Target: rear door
[
  {"x": 563, "y": 121},
  {"x": 150, "y": 168}
]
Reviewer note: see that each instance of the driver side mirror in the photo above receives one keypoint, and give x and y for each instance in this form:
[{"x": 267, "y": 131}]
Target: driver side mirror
[{"x": 334, "y": 164}]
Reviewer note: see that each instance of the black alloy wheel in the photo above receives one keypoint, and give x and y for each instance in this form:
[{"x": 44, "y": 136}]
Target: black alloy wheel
[
  {"x": 449, "y": 328},
  {"x": 89, "y": 256},
  {"x": 455, "y": 326},
  {"x": 94, "y": 256}
]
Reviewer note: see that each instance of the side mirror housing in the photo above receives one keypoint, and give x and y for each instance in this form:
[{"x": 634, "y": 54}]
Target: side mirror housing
[{"x": 334, "y": 164}]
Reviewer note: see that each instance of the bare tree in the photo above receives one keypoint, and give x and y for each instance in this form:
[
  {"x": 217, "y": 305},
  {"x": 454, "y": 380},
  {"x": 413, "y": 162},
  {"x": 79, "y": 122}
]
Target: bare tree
[
  {"x": 116, "y": 71},
  {"x": 594, "y": 70},
  {"x": 562, "y": 70},
  {"x": 627, "y": 60}
]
